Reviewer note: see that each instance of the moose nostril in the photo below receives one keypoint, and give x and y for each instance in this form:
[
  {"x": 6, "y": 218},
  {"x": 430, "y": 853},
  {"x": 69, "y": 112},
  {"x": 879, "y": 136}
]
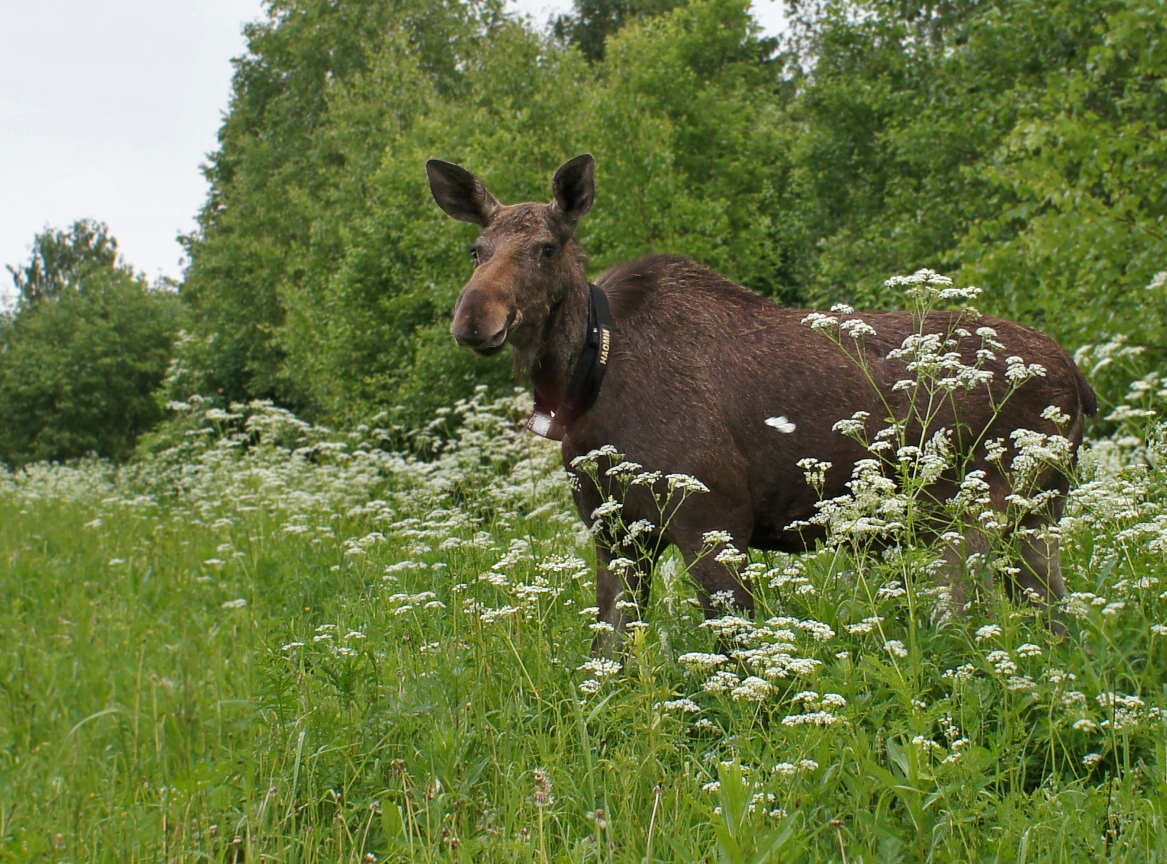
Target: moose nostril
[
  {"x": 470, "y": 340},
  {"x": 474, "y": 339}
]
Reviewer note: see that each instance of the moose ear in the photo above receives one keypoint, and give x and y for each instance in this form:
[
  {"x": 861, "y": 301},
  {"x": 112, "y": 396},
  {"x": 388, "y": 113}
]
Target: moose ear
[
  {"x": 460, "y": 193},
  {"x": 574, "y": 188}
]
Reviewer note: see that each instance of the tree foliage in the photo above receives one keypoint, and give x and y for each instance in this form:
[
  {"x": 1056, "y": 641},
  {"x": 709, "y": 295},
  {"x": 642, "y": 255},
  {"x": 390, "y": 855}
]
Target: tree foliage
[
  {"x": 64, "y": 259},
  {"x": 84, "y": 352},
  {"x": 591, "y": 22},
  {"x": 1016, "y": 144}
]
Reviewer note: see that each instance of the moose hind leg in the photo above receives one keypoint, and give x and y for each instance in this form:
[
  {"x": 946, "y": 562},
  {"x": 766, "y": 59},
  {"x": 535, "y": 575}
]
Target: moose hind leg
[
  {"x": 962, "y": 558},
  {"x": 1039, "y": 579},
  {"x": 620, "y": 590},
  {"x": 720, "y": 583}
]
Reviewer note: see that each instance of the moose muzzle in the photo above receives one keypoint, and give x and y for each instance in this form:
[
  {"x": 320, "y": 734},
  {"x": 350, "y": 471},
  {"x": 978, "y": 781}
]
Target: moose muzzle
[{"x": 482, "y": 321}]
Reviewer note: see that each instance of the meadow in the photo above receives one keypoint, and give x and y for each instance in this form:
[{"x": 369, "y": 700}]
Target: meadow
[{"x": 267, "y": 641}]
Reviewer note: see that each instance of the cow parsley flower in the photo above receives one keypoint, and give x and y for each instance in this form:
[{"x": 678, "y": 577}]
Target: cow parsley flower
[
  {"x": 856, "y": 327},
  {"x": 1002, "y": 662},
  {"x": 600, "y": 667},
  {"x": 815, "y": 718},
  {"x": 685, "y": 483},
  {"x": 819, "y": 321},
  {"x": 720, "y": 682},
  {"x": 752, "y": 689},
  {"x": 852, "y": 426},
  {"x": 895, "y": 648},
  {"x": 699, "y": 661},
  {"x": 716, "y": 538}
]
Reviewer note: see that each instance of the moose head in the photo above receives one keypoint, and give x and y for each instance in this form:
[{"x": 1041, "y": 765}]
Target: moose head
[{"x": 526, "y": 258}]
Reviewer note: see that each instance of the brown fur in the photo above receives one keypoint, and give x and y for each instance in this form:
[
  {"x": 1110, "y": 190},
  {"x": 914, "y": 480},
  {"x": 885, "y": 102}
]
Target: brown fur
[{"x": 697, "y": 365}]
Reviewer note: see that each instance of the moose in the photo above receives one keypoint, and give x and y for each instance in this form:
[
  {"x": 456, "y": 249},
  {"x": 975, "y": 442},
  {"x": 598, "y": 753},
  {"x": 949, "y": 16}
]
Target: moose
[{"x": 692, "y": 366}]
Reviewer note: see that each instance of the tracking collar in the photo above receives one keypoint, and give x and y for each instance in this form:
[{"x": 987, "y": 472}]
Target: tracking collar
[{"x": 589, "y": 372}]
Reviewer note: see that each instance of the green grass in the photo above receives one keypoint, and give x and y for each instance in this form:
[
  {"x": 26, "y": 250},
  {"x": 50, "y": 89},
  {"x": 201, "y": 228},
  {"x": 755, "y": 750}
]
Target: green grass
[{"x": 148, "y": 715}]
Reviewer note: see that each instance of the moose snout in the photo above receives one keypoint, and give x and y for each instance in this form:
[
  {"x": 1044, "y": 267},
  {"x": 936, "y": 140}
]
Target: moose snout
[{"x": 482, "y": 323}]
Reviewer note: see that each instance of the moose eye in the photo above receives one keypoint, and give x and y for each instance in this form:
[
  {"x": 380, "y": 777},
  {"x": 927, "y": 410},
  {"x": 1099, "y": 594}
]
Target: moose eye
[{"x": 549, "y": 250}]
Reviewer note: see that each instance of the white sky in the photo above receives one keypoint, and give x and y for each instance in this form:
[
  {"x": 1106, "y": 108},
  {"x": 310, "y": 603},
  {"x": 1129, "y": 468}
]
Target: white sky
[{"x": 108, "y": 109}]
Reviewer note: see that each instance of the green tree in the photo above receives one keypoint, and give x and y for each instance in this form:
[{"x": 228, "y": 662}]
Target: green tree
[
  {"x": 64, "y": 258},
  {"x": 689, "y": 128},
  {"x": 289, "y": 180},
  {"x": 591, "y": 22},
  {"x": 83, "y": 354},
  {"x": 1077, "y": 231},
  {"x": 1017, "y": 145}
]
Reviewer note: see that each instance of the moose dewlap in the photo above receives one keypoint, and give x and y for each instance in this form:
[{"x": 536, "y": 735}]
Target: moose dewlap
[{"x": 734, "y": 418}]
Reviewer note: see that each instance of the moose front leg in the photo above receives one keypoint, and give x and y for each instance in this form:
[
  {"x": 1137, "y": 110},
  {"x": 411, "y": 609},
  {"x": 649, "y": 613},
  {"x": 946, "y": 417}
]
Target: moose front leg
[{"x": 622, "y": 587}]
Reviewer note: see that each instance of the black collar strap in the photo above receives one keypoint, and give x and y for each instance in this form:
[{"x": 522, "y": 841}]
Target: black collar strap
[{"x": 589, "y": 372}]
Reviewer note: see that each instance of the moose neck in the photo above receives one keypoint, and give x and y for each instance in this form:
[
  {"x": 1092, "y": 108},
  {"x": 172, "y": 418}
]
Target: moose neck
[{"x": 556, "y": 353}]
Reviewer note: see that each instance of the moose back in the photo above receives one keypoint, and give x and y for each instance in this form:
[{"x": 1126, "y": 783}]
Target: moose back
[{"x": 695, "y": 368}]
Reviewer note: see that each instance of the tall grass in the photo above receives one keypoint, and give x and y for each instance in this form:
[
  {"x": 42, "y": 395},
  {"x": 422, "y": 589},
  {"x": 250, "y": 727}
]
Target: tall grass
[{"x": 271, "y": 642}]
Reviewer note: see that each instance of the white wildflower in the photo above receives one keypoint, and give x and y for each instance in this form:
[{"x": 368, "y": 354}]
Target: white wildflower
[
  {"x": 867, "y": 625},
  {"x": 895, "y": 648},
  {"x": 1002, "y": 662},
  {"x": 685, "y": 483},
  {"x": 856, "y": 327},
  {"x": 720, "y": 682},
  {"x": 891, "y": 590},
  {"x": 816, "y": 718},
  {"x": 752, "y": 689},
  {"x": 600, "y": 667},
  {"x": 624, "y": 468},
  {"x": 819, "y": 321},
  {"x": 927, "y": 744},
  {"x": 699, "y": 661},
  {"x": 853, "y": 426}
]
